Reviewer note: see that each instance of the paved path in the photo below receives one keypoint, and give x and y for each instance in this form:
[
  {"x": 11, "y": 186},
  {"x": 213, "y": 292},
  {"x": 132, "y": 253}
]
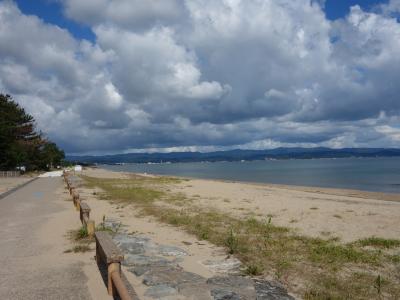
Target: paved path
[{"x": 29, "y": 268}]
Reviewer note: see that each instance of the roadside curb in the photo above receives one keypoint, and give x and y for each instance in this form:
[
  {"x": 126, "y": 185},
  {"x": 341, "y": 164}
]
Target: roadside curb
[{"x": 14, "y": 189}]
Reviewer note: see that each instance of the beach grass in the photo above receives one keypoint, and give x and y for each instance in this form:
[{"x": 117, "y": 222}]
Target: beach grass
[
  {"x": 80, "y": 239},
  {"x": 379, "y": 242},
  {"x": 314, "y": 268},
  {"x": 81, "y": 248}
]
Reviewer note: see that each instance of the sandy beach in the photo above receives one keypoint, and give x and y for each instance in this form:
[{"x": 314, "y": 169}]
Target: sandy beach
[
  {"x": 341, "y": 217},
  {"x": 319, "y": 212},
  {"x": 200, "y": 254}
]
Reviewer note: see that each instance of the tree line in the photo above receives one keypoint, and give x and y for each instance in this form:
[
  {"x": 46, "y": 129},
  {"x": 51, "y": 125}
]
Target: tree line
[{"x": 22, "y": 146}]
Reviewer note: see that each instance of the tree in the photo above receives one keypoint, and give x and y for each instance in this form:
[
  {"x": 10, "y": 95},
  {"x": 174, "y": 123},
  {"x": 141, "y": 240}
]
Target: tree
[
  {"x": 20, "y": 143},
  {"x": 52, "y": 156}
]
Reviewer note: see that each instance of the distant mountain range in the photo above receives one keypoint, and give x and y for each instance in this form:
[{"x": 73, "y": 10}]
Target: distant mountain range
[{"x": 237, "y": 155}]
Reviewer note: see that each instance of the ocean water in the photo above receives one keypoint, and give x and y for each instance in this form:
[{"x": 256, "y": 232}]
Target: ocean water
[{"x": 369, "y": 174}]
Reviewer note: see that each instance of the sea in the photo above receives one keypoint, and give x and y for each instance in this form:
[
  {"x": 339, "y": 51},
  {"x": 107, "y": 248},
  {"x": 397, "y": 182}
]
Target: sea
[{"x": 367, "y": 174}]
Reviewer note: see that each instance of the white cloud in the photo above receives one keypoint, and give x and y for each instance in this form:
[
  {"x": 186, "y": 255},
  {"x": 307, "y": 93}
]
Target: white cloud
[
  {"x": 132, "y": 14},
  {"x": 206, "y": 74},
  {"x": 392, "y": 132},
  {"x": 390, "y": 8}
]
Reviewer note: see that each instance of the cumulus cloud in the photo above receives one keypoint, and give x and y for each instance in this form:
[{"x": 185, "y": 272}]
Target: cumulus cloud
[
  {"x": 206, "y": 74},
  {"x": 131, "y": 14},
  {"x": 390, "y": 8}
]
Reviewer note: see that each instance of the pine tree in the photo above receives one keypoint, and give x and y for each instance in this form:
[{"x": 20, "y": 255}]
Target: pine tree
[{"x": 20, "y": 143}]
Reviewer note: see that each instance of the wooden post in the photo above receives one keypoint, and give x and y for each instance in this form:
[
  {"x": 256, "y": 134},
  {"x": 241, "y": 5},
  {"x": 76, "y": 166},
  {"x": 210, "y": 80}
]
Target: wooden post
[
  {"x": 75, "y": 198},
  {"x": 90, "y": 227},
  {"x": 113, "y": 267},
  {"x": 85, "y": 212},
  {"x": 78, "y": 204},
  {"x": 108, "y": 252},
  {"x": 120, "y": 286},
  {"x": 98, "y": 258}
]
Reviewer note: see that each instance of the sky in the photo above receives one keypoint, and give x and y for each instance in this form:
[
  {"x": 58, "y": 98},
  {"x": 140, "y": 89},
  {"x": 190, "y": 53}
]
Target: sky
[{"x": 118, "y": 76}]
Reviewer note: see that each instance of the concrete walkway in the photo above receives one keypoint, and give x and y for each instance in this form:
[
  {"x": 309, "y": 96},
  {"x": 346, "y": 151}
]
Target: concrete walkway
[{"x": 31, "y": 266}]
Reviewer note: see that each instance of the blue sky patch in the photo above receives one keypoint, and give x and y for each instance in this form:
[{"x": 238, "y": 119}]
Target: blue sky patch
[{"x": 51, "y": 12}]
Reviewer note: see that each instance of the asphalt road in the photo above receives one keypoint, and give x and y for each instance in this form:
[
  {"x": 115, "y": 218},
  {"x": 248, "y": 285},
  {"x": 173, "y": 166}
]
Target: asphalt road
[{"x": 29, "y": 269}]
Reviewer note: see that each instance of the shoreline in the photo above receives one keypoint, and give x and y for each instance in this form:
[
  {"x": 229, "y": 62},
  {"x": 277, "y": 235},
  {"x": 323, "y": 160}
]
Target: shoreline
[
  {"x": 349, "y": 215},
  {"x": 277, "y": 232},
  {"x": 384, "y": 196}
]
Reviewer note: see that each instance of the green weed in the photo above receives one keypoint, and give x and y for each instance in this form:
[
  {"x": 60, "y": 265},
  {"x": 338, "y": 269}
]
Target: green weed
[{"x": 379, "y": 242}]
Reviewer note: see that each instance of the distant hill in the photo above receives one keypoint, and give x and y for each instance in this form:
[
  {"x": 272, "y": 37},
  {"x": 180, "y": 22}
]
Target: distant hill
[{"x": 237, "y": 155}]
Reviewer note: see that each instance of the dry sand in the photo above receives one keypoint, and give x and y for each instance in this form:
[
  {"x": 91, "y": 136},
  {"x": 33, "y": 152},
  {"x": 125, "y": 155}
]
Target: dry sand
[
  {"x": 350, "y": 215},
  {"x": 7, "y": 183},
  {"x": 317, "y": 212}
]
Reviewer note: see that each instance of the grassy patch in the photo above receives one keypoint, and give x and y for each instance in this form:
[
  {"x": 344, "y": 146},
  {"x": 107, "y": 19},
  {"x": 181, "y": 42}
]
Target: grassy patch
[
  {"x": 80, "y": 239},
  {"x": 324, "y": 267},
  {"x": 232, "y": 242},
  {"x": 81, "y": 248},
  {"x": 139, "y": 191},
  {"x": 379, "y": 242},
  {"x": 80, "y": 235},
  {"x": 253, "y": 270},
  {"x": 101, "y": 227},
  {"x": 328, "y": 253}
]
